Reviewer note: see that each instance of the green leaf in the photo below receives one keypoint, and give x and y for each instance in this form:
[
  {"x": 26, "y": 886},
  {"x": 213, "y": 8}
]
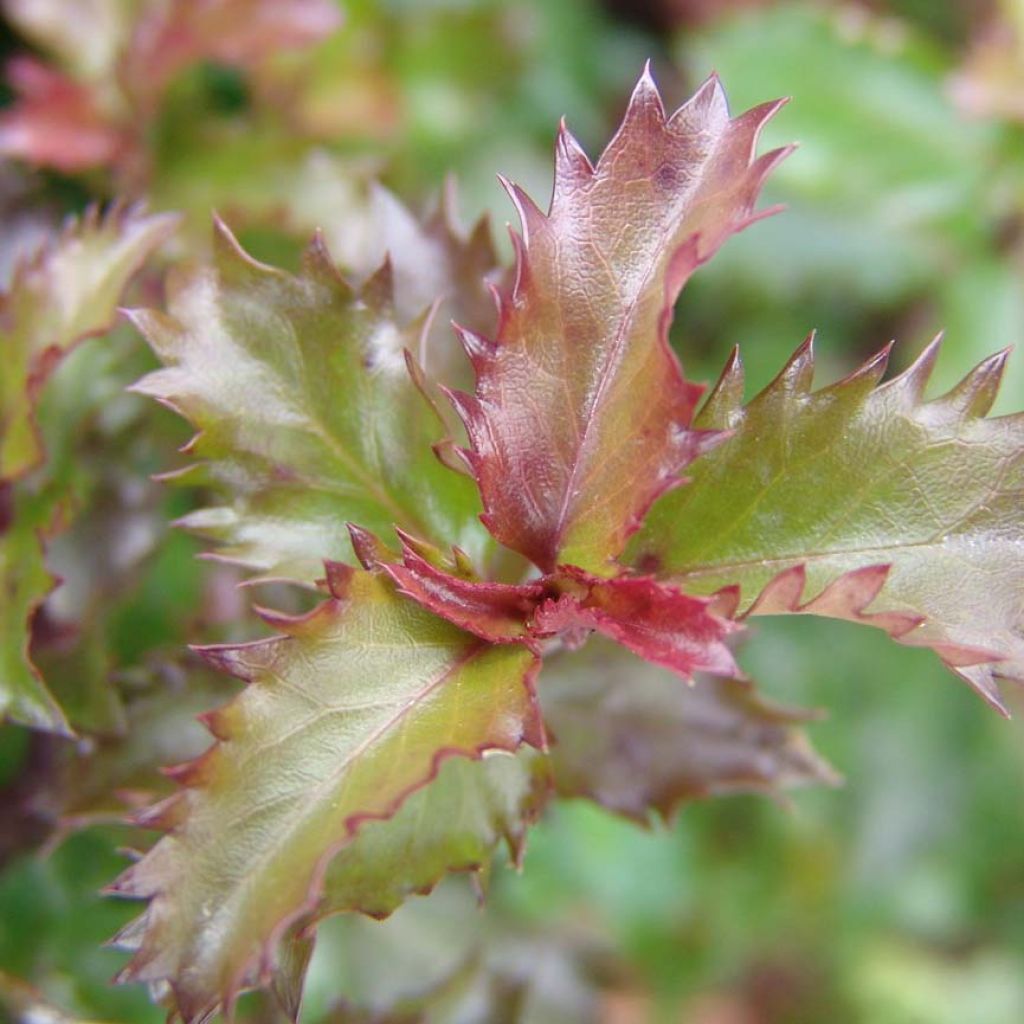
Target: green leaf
[
  {"x": 634, "y": 738},
  {"x": 452, "y": 824},
  {"x": 345, "y": 717},
  {"x": 24, "y": 585},
  {"x": 861, "y": 496},
  {"x": 67, "y": 292},
  {"x": 433, "y": 259},
  {"x": 308, "y": 415}
]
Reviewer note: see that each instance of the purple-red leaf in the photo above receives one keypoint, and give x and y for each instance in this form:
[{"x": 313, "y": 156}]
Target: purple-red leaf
[
  {"x": 582, "y": 416},
  {"x": 656, "y": 621}
]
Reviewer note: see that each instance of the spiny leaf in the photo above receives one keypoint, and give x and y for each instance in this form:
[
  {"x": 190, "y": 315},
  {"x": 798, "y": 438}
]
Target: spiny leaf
[
  {"x": 581, "y": 416},
  {"x": 67, "y": 292},
  {"x": 657, "y": 621},
  {"x": 452, "y": 824},
  {"x": 630, "y": 736},
  {"x": 433, "y": 259},
  {"x": 308, "y": 414},
  {"x": 350, "y": 713},
  {"x": 884, "y": 507}
]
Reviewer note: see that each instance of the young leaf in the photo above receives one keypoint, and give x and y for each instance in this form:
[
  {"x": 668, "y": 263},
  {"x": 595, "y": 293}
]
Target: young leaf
[
  {"x": 655, "y": 620},
  {"x": 67, "y": 292},
  {"x": 350, "y": 713},
  {"x": 861, "y": 495},
  {"x": 660, "y": 623},
  {"x": 581, "y": 416},
  {"x": 632, "y": 737},
  {"x": 307, "y": 412}
]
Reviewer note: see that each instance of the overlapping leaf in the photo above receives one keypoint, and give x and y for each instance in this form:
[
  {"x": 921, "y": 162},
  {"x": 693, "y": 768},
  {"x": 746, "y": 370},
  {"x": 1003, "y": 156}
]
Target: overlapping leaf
[
  {"x": 581, "y": 415},
  {"x": 632, "y": 737},
  {"x": 657, "y": 621},
  {"x": 879, "y": 505},
  {"x": 307, "y": 411},
  {"x": 345, "y": 717},
  {"x": 67, "y": 292},
  {"x": 452, "y": 824},
  {"x": 433, "y": 259}
]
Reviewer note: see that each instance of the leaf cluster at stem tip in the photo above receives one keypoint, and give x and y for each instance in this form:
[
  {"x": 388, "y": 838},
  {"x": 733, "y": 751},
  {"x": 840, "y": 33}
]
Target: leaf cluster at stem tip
[{"x": 583, "y": 499}]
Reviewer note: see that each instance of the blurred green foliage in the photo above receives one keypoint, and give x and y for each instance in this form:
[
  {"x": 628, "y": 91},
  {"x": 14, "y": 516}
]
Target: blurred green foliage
[{"x": 898, "y": 899}]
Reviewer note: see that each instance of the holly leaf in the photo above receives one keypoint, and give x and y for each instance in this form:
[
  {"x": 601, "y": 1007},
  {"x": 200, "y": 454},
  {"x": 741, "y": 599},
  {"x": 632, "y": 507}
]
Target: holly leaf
[
  {"x": 347, "y": 715},
  {"x": 308, "y": 412},
  {"x": 581, "y": 416},
  {"x": 632, "y": 737},
  {"x": 659, "y": 622},
  {"x": 434, "y": 260},
  {"x": 67, "y": 292},
  {"x": 885, "y": 508}
]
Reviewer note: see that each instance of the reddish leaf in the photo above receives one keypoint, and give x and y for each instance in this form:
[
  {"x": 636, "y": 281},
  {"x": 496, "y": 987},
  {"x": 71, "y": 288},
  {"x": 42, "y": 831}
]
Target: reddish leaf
[
  {"x": 656, "y": 621},
  {"x": 56, "y": 121},
  {"x": 582, "y": 416},
  {"x": 498, "y": 612}
]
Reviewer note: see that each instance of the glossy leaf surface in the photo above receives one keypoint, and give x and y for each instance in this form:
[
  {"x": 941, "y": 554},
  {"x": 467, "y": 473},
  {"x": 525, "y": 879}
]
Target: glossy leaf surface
[
  {"x": 352, "y": 711},
  {"x": 870, "y": 500},
  {"x": 581, "y": 415},
  {"x": 307, "y": 412}
]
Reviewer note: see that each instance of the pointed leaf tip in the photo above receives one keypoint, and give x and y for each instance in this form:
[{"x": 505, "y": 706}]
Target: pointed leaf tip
[
  {"x": 838, "y": 502},
  {"x": 621, "y": 238}
]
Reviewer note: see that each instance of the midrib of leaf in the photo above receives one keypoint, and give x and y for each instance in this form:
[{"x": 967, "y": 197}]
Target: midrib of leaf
[
  {"x": 610, "y": 365},
  {"x": 250, "y": 879},
  {"x": 375, "y": 485}
]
